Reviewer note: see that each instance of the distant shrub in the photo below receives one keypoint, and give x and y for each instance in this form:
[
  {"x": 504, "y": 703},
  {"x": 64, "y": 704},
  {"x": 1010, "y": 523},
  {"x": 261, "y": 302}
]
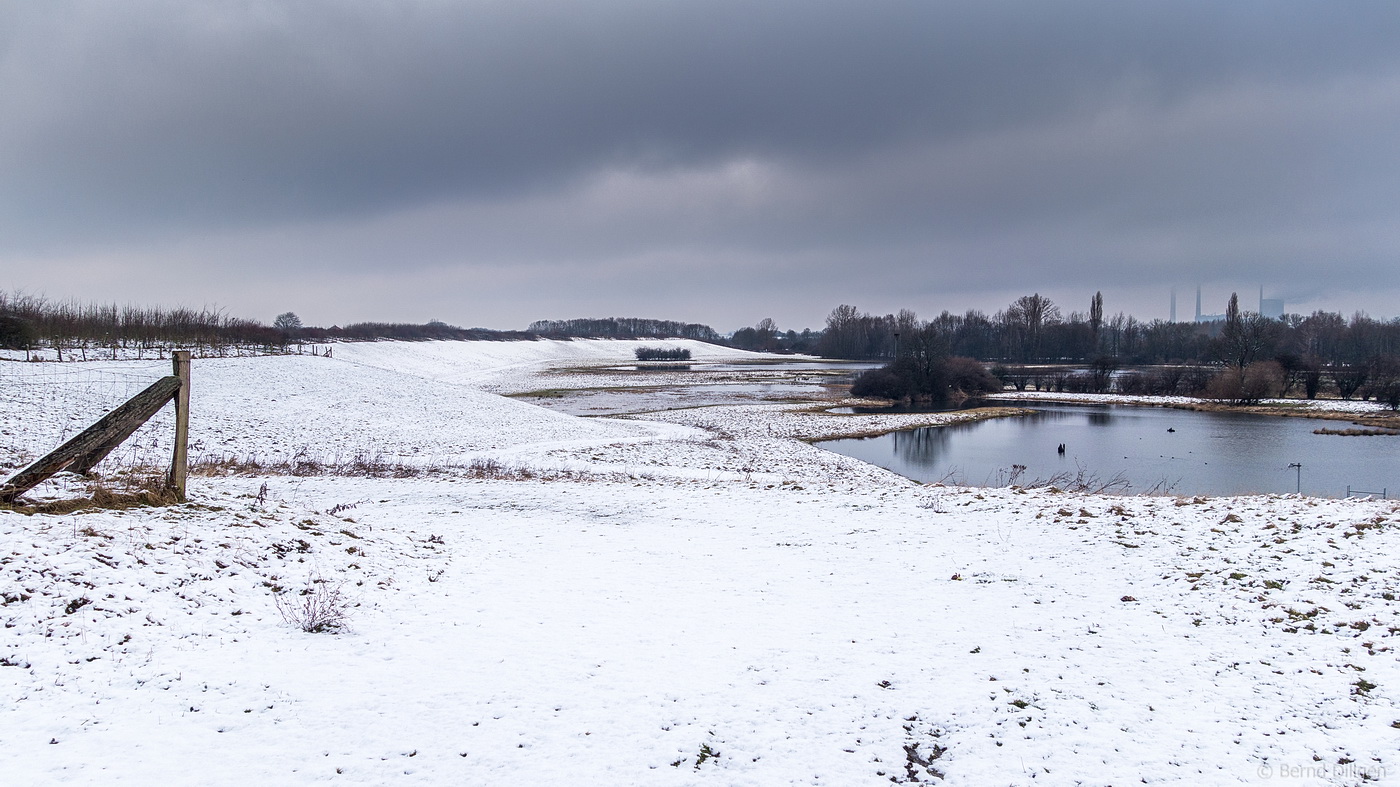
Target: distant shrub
[
  {"x": 1163, "y": 381},
  {"x": 1133, "y": 384},
  {"x": 662, "y": 354},
  {"x": 882, "y": 383},
  {"x": 1255, "y": 382},
  {"x": 970, "y": 377},
  {"x": 1078, "y": 382},
  {"x": 1167, "y": 381},
  {"x": 16, "y": 333},
  {"x": 939, "y": 380}
]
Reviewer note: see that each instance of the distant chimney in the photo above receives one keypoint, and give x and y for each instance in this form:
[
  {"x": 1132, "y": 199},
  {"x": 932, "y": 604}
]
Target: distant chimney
[
  {"x": 1173, "y": 304},
  {"x": 1198, "y": 303}
]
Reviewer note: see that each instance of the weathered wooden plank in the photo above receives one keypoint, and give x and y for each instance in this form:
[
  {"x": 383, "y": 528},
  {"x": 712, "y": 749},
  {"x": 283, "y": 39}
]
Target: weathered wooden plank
[
  {"x": 179, "y": 457},
  {"x": 84, "y": 463},
  {"x": 91, "y": 445}
]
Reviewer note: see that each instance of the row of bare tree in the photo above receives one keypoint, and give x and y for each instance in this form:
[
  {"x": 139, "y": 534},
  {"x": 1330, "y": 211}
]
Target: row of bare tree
[
  {"x": 28, "y": 321},
  {"x": 74, "y": 328},
  {"x": 1032, "y": 329},
  {"x": 1323, "y": 351}
]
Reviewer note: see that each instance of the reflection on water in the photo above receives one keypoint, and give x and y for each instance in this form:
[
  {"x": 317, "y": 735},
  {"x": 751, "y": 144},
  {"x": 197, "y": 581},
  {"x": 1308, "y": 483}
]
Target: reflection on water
[
  {"x": 922, "y": 446},
  {"x": 1151, "y": 448}
]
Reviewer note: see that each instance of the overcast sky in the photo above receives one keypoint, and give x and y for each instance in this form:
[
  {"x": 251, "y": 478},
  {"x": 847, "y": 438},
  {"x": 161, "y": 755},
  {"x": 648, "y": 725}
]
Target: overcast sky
[{"x": 492, "y": 163}]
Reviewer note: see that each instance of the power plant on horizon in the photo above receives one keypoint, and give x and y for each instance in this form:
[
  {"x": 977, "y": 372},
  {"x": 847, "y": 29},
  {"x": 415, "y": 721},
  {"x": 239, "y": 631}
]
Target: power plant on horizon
[{"x": 1268, "y": 307}]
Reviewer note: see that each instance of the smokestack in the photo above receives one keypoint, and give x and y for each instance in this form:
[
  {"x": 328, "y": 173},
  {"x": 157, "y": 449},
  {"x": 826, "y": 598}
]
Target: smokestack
[
  {"x": 1198, "y": 303},
  {"x": 1173, "y": 304}
]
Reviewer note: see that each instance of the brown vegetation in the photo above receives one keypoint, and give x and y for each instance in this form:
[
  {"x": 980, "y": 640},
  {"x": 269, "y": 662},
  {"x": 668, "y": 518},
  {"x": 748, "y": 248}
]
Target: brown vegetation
[{"x": 129, "y": 490}]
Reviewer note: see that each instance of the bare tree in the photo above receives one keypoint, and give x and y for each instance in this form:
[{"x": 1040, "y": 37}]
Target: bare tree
[
  {"x": 1348, "y": 377},
  {"x": 1096, "y": 318},
  {"x": 1245, "y": 335},
  {"x": 287, "y": 322},
  {"x": 1030, "y": 313}
]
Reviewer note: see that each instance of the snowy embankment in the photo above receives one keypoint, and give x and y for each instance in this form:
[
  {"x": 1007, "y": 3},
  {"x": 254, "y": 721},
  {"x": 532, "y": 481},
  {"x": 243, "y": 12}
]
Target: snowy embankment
[
  {"x": 405, "y": 402},
  {"x": 717, "y": 603},
  {"x": 515, "y": 367}
]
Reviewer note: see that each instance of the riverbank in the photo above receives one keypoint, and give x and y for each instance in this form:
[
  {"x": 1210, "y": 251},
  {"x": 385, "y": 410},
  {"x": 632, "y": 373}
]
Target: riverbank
[
  {"x": 1381, "y": 419},
  {"x": 1362, "y": 413}
]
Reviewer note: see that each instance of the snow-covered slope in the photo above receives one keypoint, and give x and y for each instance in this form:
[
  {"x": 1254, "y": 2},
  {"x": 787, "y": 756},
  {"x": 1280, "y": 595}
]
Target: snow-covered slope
[
  {"x": 405, "y": 401},
  {"x": 512, "y": 367}
]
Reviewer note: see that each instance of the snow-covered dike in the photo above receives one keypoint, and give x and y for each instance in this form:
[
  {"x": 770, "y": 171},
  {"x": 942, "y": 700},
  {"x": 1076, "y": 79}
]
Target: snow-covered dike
[
  {"x": 404, "y": 401},
  {"x": 708, "y": 600},
  {"x": 512, "y": 367}
]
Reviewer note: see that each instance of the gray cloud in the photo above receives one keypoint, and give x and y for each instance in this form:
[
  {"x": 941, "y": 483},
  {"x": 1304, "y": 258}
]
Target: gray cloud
[{"x": 775, "y": 157}]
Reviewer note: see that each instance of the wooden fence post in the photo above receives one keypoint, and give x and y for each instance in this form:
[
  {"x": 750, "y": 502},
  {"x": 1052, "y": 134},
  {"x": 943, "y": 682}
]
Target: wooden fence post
[
  {"x": 179, "y": 460},
  {"x": 89, "y": 447}
]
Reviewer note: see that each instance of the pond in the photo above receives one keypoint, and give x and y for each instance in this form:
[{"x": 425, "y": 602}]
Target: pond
[{"x": 1151, "y": 449}]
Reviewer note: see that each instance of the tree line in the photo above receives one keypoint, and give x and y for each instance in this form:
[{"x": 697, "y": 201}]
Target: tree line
[
  {"x": 766, "y": 337},
  {"x": 403, "y": 331},
  {"x": 30, "y": 322},
  {"x": 624, "y": 328},
  {"x": 33, "y": 322},
  {"x": 1243, "y": 357}
]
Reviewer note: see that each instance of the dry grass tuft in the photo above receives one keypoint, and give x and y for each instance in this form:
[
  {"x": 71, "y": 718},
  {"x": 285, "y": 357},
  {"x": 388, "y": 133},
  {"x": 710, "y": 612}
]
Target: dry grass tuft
[
  {"x": 322, "y": 608},
  {"x": 362, "y": 464}
]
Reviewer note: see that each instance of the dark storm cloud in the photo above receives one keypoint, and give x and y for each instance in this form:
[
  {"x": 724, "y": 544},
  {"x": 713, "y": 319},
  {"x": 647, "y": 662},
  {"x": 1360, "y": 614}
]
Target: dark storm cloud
[{"x": 1069, "y": 142}]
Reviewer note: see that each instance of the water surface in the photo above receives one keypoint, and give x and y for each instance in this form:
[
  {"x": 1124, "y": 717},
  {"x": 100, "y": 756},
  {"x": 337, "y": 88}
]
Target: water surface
[{"x": 1152, "y": 449}]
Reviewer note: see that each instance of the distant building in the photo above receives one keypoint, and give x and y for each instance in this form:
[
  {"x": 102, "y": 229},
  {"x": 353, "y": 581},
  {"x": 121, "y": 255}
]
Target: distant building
[
  {"x": 1270, "y": 307},
  {"x": 1205, "y": 317}
]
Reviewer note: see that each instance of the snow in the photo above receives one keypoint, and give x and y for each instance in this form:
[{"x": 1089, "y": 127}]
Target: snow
[
  {"x": 702, "y": 582},
  {"x": 515, "y": 367}
]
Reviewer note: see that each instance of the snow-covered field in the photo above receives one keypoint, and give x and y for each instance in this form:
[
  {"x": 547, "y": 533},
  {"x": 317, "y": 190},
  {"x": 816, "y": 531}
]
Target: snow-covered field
[{"x": 702, "y": 599}]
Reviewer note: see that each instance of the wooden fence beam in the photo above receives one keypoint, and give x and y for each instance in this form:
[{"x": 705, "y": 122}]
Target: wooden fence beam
[
  {"x": 95, "y": 442},
  {"x": 180, "y": 456}
]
